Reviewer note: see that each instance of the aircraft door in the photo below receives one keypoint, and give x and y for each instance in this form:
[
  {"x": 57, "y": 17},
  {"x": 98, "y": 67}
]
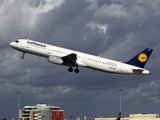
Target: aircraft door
[
  {"x": 122, "y": 68},
  {"x": 81, "y": 57},
  {"x": 22, "y": 44},
  {"x": 49, "y": 51}
]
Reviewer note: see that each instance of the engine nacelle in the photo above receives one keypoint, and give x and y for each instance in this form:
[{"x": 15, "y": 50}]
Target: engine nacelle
[{"x": 55, "y": 60}]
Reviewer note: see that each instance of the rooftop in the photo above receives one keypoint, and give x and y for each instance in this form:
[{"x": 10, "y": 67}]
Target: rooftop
[{"x": 42, "y": 106}]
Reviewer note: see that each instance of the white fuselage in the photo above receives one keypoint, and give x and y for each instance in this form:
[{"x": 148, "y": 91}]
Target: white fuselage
[{"x": 83, "y": 59}]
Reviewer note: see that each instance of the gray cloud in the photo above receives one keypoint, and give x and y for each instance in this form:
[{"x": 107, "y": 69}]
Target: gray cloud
[{"x": 116, "y": 29}]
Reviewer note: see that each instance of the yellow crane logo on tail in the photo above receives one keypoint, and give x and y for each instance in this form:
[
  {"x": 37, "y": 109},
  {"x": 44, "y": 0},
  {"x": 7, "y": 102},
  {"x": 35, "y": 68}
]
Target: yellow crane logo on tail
[{"x": 142, "y": 57}]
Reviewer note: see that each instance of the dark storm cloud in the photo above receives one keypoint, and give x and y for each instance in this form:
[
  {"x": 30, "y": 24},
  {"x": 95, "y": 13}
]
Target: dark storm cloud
[{"x": 117, "y": 29}]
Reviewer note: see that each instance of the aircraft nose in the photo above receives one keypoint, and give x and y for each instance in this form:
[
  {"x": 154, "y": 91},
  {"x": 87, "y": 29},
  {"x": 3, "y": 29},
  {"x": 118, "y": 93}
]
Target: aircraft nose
[{"x": 11, "y": 44}]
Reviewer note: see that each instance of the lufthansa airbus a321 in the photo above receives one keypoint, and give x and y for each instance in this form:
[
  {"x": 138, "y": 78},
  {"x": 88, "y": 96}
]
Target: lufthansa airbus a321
[{"x": 71, "y": 58}]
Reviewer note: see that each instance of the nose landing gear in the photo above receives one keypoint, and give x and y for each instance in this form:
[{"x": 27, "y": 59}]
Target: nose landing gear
[{"x": 22, "y": 57}]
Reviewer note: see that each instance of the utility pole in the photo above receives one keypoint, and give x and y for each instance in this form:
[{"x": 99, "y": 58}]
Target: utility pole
[
  {"x": 120, "y": 98},
  {"x": 18, "y": 103}
]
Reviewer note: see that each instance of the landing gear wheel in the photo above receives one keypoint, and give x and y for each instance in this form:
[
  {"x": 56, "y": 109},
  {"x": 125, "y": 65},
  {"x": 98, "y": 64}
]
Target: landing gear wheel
[
  {"x": 76, "y": 70},
  {"x": 70, "y": 69},
  {"x": 22, "y": 57}
]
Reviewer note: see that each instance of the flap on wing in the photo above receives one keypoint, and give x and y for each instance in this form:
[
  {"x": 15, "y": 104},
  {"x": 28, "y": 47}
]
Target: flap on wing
[
  {"x": 70, "y": 59},
  {"x": 137, "y": 71}
]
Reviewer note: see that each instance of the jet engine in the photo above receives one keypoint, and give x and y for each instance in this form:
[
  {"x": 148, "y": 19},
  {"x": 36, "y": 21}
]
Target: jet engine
[{"x": 55, "y": 60}]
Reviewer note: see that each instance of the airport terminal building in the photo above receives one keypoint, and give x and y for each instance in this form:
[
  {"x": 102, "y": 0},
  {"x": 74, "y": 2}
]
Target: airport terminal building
[
  {"x": 41, "y": 112},
  {"x": 134, "y": 117}
]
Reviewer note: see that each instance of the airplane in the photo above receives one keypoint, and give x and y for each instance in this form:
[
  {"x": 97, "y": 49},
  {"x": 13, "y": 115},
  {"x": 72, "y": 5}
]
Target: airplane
[
  {"x": 71, "y": 58},
  {"x": 119, "y": 116}
]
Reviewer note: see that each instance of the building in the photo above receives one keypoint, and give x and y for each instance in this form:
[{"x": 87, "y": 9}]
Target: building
[
  {"x": 134, "y": 117},
  {"x": 144, "y": 117},
  {"x": 41, "y": 112}
]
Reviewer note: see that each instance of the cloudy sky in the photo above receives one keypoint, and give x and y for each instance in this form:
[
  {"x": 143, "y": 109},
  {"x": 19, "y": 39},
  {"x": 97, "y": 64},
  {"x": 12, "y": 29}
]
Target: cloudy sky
[{"x": 115, "y": 29}]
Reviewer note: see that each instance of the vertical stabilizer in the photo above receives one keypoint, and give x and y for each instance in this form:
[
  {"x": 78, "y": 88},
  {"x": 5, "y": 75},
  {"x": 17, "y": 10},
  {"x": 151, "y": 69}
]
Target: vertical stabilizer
[
  {"x": 141, "y": 59},
  {"x": 119, "y": 116}
]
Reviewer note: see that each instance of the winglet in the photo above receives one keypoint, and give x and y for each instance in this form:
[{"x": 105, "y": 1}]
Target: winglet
[
  {"x": 119, "y": 116},
  {"x": 141, "y": 59}
]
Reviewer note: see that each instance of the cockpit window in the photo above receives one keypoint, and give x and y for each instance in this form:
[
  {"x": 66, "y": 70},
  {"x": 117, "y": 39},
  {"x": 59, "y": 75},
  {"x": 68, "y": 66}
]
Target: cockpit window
[{"x": 17, "y": 41}]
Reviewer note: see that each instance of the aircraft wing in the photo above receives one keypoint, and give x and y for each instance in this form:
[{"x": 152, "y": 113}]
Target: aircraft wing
[{"x": 70, "y": 59}]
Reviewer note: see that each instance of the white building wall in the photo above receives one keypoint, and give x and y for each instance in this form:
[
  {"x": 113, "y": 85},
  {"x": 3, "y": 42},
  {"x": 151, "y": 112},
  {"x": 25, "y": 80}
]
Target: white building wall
[
  {"x": 144, "y": 115},
  {"x": 134, "y": 117},
  {"x": 47, "y": 114},
  {"x": 127, "y": 118},
  {"x": 144, "y": 119},
  {"x": 110, "y": 118}
]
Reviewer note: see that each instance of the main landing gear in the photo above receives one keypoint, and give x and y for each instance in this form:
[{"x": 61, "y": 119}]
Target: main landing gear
[
  {"x": 71, "y": 70},
  {"x": 22, "y": 57}
]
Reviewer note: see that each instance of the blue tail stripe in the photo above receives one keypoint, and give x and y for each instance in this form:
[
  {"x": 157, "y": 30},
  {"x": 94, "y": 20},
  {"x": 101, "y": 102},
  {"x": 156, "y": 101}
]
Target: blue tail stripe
[{"x": 141, "y": 59}]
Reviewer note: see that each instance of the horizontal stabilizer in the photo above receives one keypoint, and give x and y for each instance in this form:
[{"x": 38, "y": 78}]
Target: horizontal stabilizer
[{"x": 137, "y": 71}]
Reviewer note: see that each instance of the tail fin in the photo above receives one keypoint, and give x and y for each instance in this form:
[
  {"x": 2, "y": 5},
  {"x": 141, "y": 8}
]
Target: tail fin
[
  {"x": 119, "y": 116},
  {"x": 141, "y": 59}
]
